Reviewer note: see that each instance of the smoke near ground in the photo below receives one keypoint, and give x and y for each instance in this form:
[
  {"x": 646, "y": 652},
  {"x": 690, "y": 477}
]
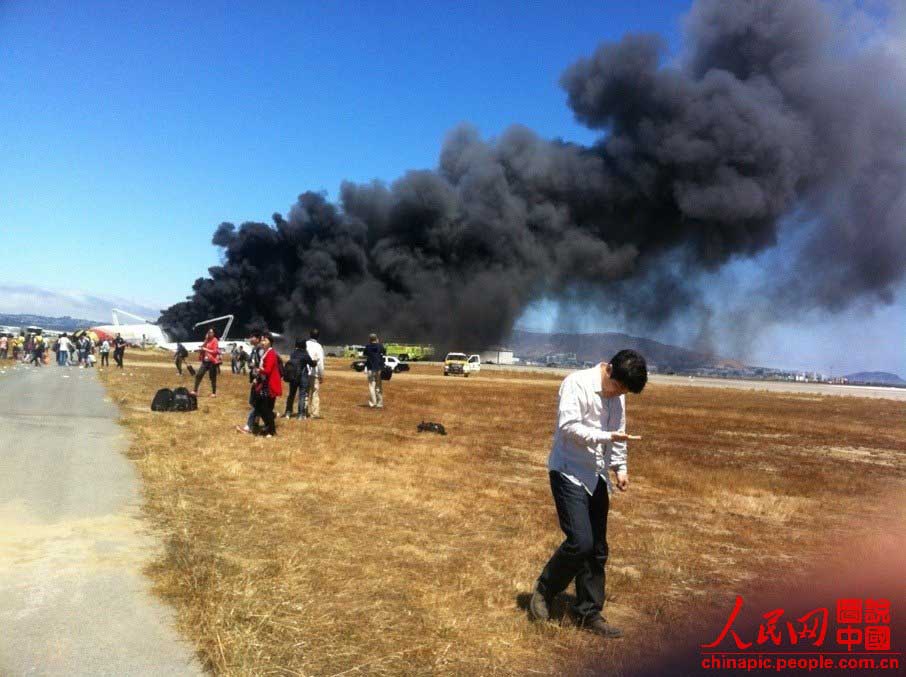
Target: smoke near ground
[{"x": 777, "y": 118}]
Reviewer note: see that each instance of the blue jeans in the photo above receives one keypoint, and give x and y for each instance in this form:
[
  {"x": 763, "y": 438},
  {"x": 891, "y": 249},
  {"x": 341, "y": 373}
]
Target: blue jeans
[
  {"x": 583, "y": 554},
  {"x": 63, "y": 358}
]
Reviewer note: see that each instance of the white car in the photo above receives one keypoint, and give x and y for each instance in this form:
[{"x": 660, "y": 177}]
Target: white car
[{"x": 389, "y": 361}]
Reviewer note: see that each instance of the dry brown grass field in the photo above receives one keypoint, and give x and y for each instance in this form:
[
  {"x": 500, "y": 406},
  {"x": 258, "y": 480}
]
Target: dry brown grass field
[{"x": 355, "y": 545}]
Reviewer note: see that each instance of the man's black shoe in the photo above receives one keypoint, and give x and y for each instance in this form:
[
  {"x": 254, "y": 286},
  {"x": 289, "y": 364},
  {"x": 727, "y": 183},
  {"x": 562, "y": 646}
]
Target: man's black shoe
[
  {"x": 601, "y": 627},
  {"x": 539, "y": 606}
]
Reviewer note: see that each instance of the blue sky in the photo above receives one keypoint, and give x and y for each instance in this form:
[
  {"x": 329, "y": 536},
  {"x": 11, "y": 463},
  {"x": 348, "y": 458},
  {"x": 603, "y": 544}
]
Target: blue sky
[{"x": 130, "y": 130}]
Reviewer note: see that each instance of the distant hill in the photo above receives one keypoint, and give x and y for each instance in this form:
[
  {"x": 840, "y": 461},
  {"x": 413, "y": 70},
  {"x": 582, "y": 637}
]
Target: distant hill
[
  {"x": 594, "y": 347},
  {"x": 879, "y": 377},
  {"x": 64, "y": 323}
]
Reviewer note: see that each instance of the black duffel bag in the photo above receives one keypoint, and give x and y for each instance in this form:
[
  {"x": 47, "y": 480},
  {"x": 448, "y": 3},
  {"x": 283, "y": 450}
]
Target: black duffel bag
[{"x": 163, "y": 400}]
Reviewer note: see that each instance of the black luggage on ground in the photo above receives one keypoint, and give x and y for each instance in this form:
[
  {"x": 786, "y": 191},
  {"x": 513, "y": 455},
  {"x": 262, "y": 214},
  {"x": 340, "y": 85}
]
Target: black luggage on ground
[
  {"x": 183, "y": 400},
  {"x": 163, "y": 400}
]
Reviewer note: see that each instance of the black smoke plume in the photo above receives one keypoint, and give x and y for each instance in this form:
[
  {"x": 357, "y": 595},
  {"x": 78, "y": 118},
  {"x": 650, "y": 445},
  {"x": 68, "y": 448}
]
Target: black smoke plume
[{"x": 772, "y": 120}]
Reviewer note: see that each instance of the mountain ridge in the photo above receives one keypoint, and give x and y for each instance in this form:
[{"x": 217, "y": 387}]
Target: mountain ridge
[
  {"x": 881, "y": 377},
  {"x": 602, "y": 345}
]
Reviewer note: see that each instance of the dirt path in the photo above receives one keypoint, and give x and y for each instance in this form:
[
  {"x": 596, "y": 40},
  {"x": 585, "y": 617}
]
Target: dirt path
[{"x": 73, "y": 600}]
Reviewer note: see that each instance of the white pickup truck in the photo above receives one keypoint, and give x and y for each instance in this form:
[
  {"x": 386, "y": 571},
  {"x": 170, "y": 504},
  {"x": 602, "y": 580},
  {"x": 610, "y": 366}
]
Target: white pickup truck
[{"x": 460, "y": 363}]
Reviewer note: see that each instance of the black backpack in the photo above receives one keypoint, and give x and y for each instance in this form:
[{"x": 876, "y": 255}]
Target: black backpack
[
  {"x": 163, "y": 400},
  {"x": 183, "y": 400},
  {"x": 290, "y": 371}
]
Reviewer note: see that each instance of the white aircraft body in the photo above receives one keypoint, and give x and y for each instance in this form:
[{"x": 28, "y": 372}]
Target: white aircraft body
[
  {"x": 147, "y": 331},
  {"x": 226, "y": 344}
]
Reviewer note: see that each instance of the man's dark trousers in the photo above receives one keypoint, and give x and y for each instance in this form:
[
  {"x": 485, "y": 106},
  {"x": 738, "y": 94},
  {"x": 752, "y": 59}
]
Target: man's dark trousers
[
  {"x": 583, "y": 554},
  {"x": 293, "y": 389}
]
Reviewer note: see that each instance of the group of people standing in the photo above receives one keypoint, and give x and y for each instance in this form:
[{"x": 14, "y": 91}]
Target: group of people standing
[
  {"x": 79, "y": 350},
  {"x": 303, "y": 372},
  {"x": 29, "y": 349},
  {"x": 84, "y": 351}
]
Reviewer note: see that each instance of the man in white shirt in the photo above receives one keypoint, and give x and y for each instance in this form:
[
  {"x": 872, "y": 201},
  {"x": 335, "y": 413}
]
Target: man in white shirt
[
  {"x": 590, "y": 440},
  {"x": 316, "y": 353}
]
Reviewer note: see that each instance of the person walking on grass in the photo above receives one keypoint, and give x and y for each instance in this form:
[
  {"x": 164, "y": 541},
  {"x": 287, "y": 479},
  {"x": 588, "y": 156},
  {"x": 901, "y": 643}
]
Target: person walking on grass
[
  {"x": 210, "y": 362},
  {"x": 119, "y": 350},
  {"x": 181, "y": 355},
  {"x": 295, "y": 373},
  {"x": 374, "y": 366},
  {"x": 589, "y": 443},
  {"x": 316, "y": 375},
  {"x": 268, "y": 386}
]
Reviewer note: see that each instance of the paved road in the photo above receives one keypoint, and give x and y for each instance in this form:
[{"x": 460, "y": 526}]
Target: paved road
[{"x": 73, "y": 600}]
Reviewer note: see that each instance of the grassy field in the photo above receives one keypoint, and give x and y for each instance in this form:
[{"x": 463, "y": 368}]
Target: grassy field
[{"x": 356, "y": 545}]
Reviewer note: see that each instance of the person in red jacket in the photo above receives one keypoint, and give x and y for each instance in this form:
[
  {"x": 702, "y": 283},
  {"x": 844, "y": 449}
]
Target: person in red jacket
[
  {"x": 210, "y": 362},
  {"x": 268, "y": 386}
]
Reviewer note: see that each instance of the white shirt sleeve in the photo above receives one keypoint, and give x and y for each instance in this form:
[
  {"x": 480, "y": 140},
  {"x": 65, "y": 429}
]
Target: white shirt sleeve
[
  {"x": 618, "y": 449},
  {"x": 569, "y": 418}
]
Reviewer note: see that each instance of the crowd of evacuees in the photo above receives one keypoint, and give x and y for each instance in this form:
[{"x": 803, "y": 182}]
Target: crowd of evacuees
[{"x": 78, "y": 350}]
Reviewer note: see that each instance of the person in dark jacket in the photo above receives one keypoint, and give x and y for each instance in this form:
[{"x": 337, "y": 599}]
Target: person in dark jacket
[
  {"x": 181, "y": 354},
  {"x": 254, "y": 361},
  {"x": 295, "y": 372},
  {"x": 374, "y": 364},
  {"x": 243, "y": 360},
  {"x": 119, "y": 349}
]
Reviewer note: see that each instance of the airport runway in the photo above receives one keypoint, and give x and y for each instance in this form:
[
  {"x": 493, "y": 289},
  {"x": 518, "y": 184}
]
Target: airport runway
[
  {"x": 340, "y": 368},
  {"x": 73, "y": 600},
  {"x": 739, "y": 384}
]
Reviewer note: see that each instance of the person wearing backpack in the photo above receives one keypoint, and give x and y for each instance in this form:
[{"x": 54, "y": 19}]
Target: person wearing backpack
[
  {"x": 268, "y": 385},
  {"x": 374, "y": 364},
  {"x": 316, "y": 353},
  {"x": 210, "y": 362},
  {"x": 296, "y": 374}
]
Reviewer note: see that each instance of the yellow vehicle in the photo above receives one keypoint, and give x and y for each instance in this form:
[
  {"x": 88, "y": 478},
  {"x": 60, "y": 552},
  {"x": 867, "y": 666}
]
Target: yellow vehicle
[{"x": 409, "y": 351}]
